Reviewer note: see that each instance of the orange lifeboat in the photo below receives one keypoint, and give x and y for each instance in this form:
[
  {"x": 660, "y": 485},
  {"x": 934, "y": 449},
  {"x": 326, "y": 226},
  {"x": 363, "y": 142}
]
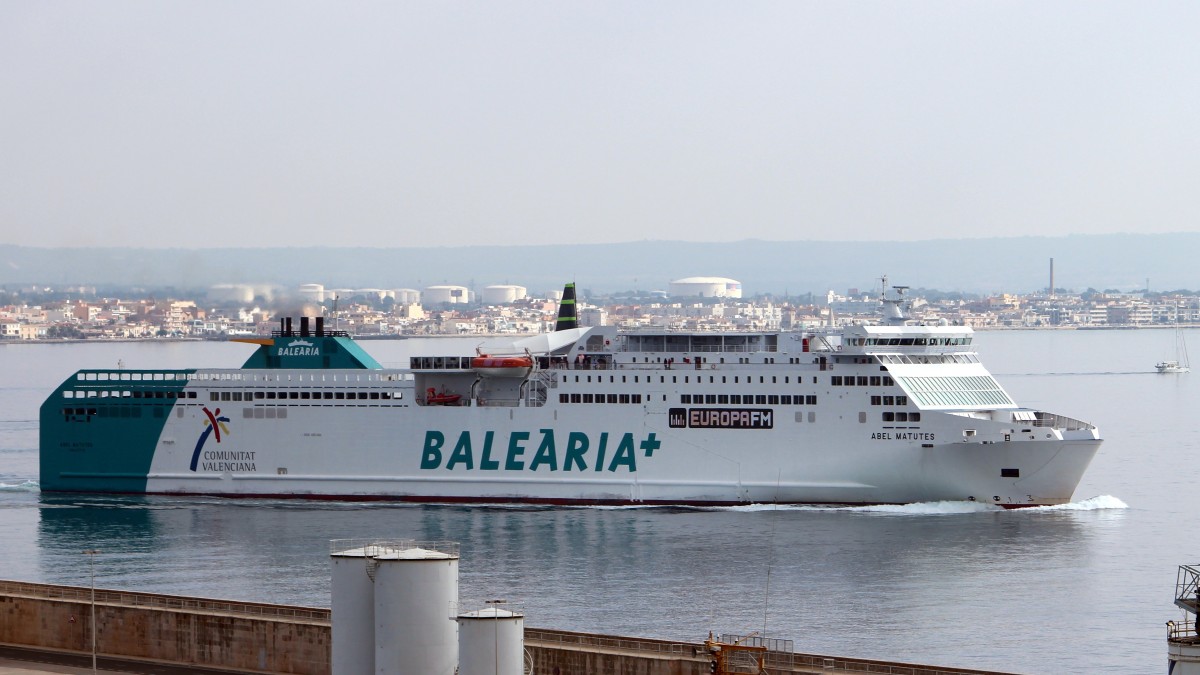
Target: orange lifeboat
[
  {"x": 434, "y": 398},
  {"x": 502, "y": 366}
]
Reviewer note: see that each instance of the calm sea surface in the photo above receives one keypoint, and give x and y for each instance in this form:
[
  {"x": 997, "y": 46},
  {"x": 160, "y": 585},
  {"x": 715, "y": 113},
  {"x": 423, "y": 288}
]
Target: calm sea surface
[{"x": 1083, "y": 588}]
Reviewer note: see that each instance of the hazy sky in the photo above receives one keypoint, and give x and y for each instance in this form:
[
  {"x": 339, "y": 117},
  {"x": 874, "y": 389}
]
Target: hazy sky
[{"x": 212, "y": 123}]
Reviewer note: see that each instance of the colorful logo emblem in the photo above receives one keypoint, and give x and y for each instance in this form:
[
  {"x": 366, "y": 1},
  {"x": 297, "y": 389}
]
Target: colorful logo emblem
[{"x": 214, "y": 424}]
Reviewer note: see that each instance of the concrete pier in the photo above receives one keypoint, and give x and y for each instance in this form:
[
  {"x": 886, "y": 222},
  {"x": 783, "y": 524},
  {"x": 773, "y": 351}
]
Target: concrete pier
[{"x": 46, "y": 629}]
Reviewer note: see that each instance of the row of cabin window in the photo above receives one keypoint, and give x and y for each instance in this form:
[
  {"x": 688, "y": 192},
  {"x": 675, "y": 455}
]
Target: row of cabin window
[
  {"x": 136, "y": 393},
  {"x": 126, "y": 376},
  {"x": 901, "y": 417},
  {"x": 599, "y": 398},
  {"x": 861, "y": 381},
  {"x": 908, "y": 342},
  {"x": 889, "y": 400},
  {"x": 86, "y": 414},
  {"x": 712, "y": 379},
  {"x": 305, "y": 395},
  {"x": 748, "y": 399}
]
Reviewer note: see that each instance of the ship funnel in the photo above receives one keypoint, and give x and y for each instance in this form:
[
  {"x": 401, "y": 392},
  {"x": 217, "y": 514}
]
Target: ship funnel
[
  {"x": 304, "y": 326},
  {"x": 567, "y": 318},
  {"x": 320, "y": 326}
]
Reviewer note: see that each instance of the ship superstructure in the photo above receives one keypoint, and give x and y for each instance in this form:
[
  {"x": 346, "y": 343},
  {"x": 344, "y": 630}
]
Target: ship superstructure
[{"x": 866, "y": 414}]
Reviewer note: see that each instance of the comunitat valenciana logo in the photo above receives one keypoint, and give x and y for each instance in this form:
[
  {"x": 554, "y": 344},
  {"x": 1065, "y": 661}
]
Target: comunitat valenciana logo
[{"x": 214, "y": 423}]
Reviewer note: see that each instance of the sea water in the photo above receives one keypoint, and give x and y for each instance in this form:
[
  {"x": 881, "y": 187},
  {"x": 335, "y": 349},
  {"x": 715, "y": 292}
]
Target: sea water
[{"x": 1083, "y": 587}]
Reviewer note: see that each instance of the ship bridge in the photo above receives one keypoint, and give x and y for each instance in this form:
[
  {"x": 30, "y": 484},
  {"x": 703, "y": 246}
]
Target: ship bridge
[{"x": 906, "y": 339}]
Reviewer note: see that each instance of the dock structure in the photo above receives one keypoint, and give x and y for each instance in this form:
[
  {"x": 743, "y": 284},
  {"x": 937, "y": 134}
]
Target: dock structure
[
  {"x": 47, "y": 628},
  {"x": 1183, "y": 638}
]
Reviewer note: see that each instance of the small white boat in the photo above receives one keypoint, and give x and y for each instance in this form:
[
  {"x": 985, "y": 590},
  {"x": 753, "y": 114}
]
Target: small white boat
[
  {"x": 1171, "y": 367},
  {"x": 1180, "y": 363}
]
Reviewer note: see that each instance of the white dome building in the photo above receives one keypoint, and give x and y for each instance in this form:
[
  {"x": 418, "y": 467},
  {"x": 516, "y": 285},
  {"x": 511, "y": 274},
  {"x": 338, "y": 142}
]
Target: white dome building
[
  {"x": 452, "y": 294},
  {"x": 706, "y": 287},
  {"x": 503, "y": 294}
]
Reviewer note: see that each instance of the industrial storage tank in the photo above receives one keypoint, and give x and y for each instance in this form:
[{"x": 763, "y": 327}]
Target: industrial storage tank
[
  {"x": 435, "y": 295},
  {"x": 240, "y": 293},
  {"x": 373, "y": 294},
  {"x": 407, "y": 296},
  {"x": 352, "y": 605},
  {"x": 706, "y": 287},
  {"x": 502, "y": 294},
  {"x": 415, "y": 589},
  {"x": 343, "y": 294},
  {"x": 312, "y": 292},
  {"x": 491, "y": 641}
]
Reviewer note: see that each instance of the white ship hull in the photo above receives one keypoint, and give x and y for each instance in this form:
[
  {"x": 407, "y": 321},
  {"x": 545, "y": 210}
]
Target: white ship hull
[
  {"x": 399, "y": 450},
  {"x": 869, "y": 415}
]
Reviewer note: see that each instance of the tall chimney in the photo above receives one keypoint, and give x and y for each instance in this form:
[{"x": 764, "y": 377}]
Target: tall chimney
[{"x": 1051, "y": 293}]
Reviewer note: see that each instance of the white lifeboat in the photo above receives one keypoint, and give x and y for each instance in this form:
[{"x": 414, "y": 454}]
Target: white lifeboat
[{"x": 502, "y": 366}]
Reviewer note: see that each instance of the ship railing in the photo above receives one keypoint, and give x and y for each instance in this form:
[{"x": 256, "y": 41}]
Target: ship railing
[
  {"x": 375, "y": 548},
  {"x": 778, "y": 653},
  {"x": 611, "y": 642},
  {"x": 1052, "y": 421},
  {"x": 1182, "y": 631},
  {"x": 707, "y": 349},
  {"x": 498, "y": 402},
  {"x": 311, "y": 333}
]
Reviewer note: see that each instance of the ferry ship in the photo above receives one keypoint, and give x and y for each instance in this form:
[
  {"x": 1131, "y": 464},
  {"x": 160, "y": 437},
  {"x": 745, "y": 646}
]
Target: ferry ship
[{"x": 887, "y": 413}]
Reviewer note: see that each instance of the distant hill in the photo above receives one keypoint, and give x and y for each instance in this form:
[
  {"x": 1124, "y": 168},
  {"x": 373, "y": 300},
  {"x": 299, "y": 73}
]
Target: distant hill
[{"x": 1013, "y": 264}]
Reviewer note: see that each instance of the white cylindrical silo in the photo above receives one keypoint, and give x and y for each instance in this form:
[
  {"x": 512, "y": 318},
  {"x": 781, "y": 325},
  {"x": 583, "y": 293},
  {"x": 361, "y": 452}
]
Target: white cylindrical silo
[
  {"x": 491, "y": 642},
  {"x": 352, "y": 608},
  {"x": 407, "y": 296},
  {"x": 435, "y": 295},
  {"x": 312, "y": 292},
  {"x": 502, "y": 294},
  {"x": 414, "y": 590}
]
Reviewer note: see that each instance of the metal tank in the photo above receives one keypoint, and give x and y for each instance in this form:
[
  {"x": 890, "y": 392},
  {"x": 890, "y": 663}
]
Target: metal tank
[
  {"x": 312, "y": 292},
  {"x": 407, "y": 296},
  {"x": 502, "y": 294},
  {"x": 491, "y": 641},
  {"x": 435, "y": 295},
  {"x": 352, "y": 605},
  {"x": 415, "y": 587}
]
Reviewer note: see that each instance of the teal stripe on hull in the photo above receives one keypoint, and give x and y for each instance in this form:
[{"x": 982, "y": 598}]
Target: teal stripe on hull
[{"x": 103, "y": 444}]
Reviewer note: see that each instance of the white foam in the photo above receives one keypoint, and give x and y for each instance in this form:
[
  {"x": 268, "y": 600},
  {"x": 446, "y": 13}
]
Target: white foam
[
  {"x": 915, "y": 509},
  {"x": 929, "y": 508},
  {"x": 24, "y": 486},
  {"x": 1099, "y": 503}
]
